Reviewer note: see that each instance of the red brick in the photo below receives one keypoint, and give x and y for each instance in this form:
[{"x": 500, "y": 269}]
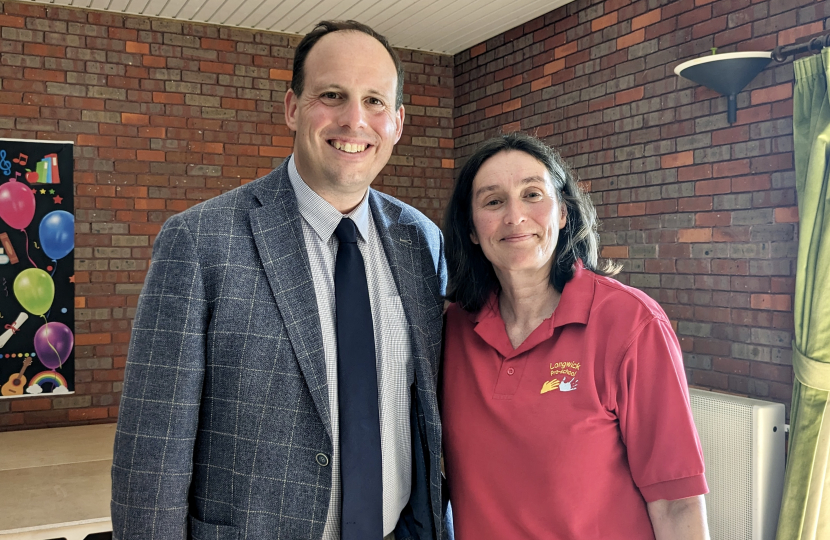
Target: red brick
[
  {"x": 512, "y": 105},
  {"x": 31, "y": 404},
  {"x": 614, "y": 252},
  {"x": 154, "y": 61},
  {"x": 696, "y": 172},
  {"x": 627, "y": 96},
  {"x": 280, "y": 74},
  {"x": 790, "y": 35},
  {"x": 426, "y": 101},
  {"x": 564, "y": 50},
  {"x": 14, "y": 22},
  {"x": 217, "y": 44},
  {"x": 710, "y": 187},
  {"x": 135, "y": 119},
  {"x": 137, "y": 48},
  {"x": 91, "y": 413},
  {"x": 646, "y": 19},
  {"x": 694, "y": 204},
  {"x": 39, "y": 49},
  {"x": 670, "y": 161},
  {"x": 604, "y": 22},
  {"x": 635, "y": 37},
  {"x": 786, "y": 215},
  {"x": 478, "y": 49},
  {"x": 713, "y": 219},
  {"x": 150, "y": 155},
  {"x": 777, "y": 302},
  {"x": 730, "y": 168},
  {"x": 773, "y": 93},
  {"x": 751, "y": 183},
  {"x": 631, "y": 209},
  {"x": 24, "y": 111},
  {"x": 168, "y": 97},
  {"x": 694, "y": 235}
]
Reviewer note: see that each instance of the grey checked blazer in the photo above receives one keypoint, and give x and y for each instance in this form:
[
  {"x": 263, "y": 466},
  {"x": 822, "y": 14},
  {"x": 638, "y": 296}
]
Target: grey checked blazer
[{"x": 225, "y": 405}]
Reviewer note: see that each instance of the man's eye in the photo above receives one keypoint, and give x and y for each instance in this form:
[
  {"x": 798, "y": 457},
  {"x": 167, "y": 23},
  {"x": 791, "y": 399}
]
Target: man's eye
[
  {"x": 329, "y": 95},
  {"x": 375, "y": 101}
]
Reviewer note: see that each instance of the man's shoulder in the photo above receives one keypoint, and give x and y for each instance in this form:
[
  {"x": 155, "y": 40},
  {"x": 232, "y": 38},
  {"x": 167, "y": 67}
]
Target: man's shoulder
[
  {"x": 405, "y": 213},
  {"x": 238, "y": 200}
]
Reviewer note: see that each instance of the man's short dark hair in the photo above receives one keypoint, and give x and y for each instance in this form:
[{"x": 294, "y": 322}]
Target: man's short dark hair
[
  {"x": 472, "y": 278},
  {"x": 327, "y": 27}
]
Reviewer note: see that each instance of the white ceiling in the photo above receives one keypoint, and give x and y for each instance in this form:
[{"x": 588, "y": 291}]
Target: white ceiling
[{"x": 443, "y": 26}]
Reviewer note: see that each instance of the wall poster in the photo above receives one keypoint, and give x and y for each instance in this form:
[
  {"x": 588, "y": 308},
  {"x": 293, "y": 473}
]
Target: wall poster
[{"x": 37, "y": 291}]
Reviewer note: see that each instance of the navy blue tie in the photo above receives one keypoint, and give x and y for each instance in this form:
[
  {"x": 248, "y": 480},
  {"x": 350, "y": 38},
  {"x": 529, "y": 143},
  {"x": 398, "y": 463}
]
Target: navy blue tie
[{"x": 357, "y": 390}]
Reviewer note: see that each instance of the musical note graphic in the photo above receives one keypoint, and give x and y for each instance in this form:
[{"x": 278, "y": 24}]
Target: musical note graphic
[
  {"x": 22, "y": 159},
  {"x": 5, "y": 165}
]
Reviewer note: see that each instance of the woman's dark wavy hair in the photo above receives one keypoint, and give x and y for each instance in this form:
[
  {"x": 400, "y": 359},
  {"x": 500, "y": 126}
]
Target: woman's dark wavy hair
[{"x": 471, "y": 276}]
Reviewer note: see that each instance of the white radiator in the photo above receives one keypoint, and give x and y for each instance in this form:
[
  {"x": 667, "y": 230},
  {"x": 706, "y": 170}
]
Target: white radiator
[{"x": 743, "y": 447}]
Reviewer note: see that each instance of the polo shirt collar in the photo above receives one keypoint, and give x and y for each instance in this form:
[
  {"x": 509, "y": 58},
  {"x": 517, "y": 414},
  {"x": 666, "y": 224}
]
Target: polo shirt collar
[
  {"x": 574, "y": 308},
  {"x": 319, "y": 214}
]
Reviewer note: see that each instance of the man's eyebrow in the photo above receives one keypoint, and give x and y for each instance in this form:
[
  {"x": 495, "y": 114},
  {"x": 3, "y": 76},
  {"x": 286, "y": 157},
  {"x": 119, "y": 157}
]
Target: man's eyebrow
[{"x": 494, "y": 187}]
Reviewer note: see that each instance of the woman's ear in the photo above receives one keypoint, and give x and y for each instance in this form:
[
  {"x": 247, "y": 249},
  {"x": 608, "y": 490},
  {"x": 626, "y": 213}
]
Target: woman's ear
[
  {"x": 473, "y": 237},
  {"x": 563, "y": 216}
]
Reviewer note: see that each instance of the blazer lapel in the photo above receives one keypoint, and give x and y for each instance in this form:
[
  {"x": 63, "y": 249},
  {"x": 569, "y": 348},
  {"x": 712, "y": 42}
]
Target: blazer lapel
[
  {"x": 403, "y": 248},
  {"x": 278, "y": 235}
]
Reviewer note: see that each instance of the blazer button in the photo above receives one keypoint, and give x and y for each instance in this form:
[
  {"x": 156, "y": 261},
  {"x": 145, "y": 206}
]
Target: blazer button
[{"x": 322, "y": 460}]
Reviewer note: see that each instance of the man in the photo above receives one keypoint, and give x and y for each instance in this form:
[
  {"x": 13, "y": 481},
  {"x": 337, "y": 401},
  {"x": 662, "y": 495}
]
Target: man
[{"x": 282, "y": 369}]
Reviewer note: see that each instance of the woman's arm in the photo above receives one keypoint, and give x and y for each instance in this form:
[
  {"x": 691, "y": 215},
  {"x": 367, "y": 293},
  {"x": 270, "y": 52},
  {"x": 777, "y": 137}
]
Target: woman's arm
[{"x": 683, "y": 519}]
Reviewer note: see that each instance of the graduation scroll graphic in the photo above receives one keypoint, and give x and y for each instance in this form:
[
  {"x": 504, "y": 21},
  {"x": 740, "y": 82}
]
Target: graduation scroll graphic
[{"x": 37, "y": 291}]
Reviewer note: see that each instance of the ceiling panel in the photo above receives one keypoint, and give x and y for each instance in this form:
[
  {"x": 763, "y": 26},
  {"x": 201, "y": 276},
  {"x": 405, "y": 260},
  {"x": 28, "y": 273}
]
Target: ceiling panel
[{"x": 442, "y": 26}]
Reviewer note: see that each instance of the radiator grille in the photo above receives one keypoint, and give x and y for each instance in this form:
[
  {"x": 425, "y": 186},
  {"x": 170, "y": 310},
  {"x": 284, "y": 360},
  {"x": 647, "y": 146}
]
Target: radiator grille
[{"x": 725, "y": 430}]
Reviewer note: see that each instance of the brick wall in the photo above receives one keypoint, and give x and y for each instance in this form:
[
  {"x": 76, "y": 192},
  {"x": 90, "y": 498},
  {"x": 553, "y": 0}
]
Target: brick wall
[
  {"x": 165, "y": 115},
  {"x": 701, "y": 213}
]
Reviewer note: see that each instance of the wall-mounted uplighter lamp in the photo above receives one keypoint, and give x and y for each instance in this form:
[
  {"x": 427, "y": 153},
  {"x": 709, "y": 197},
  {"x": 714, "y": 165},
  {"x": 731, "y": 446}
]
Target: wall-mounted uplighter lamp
[{"x": 729, "y": 73}]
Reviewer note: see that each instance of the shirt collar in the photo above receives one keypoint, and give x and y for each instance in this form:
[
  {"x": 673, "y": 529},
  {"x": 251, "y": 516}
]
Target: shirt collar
[
  {"x": 321, "y": 215},
  {"x": 574, "y": 305}
]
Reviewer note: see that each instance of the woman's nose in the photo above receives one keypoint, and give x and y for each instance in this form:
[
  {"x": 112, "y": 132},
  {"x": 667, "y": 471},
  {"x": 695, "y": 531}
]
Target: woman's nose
[{"x": 514, "y": 212}]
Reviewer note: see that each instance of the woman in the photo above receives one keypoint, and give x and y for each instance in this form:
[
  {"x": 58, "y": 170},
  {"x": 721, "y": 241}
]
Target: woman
[{"x": 565, "y": 405}]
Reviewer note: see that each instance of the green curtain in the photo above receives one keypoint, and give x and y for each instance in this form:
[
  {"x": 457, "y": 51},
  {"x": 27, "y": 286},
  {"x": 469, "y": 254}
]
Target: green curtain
[{"x": 805, "y": 508}]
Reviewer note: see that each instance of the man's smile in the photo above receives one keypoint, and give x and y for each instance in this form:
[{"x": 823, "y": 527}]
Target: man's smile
[{"x": 350, "y": 148}]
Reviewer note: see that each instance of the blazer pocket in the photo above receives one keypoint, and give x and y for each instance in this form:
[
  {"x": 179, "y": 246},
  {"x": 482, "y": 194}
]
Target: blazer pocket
[{"x": 199, "y": 530}]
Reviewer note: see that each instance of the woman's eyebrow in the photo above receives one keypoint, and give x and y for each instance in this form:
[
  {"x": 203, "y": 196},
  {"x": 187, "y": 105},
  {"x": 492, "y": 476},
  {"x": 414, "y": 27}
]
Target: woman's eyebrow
[{"x": 494, "y": 187}]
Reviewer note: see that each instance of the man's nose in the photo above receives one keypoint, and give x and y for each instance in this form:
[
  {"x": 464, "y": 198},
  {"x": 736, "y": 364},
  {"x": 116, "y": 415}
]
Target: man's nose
[{"x": 353, "y": 114}]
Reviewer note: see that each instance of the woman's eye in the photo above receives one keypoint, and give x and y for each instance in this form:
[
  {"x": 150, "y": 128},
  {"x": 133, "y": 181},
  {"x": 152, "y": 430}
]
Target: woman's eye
[
  {"x": 492, "y": 202},
  {"x": 534, "y": 195}
]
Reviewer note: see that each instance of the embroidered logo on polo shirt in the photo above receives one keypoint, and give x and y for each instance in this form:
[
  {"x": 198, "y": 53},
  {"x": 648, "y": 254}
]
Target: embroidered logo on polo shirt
[{"x": 565, "y": 369}]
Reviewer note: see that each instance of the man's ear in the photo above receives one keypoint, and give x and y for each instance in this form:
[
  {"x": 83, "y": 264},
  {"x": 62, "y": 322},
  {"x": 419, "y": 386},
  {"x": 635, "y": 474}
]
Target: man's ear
[
  {"x": 399, "y": 116},
  {"x": 291, "y": 110}
]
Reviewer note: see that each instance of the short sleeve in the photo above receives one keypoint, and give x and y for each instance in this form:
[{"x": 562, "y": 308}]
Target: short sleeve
[{"x": 652, "y": 399}]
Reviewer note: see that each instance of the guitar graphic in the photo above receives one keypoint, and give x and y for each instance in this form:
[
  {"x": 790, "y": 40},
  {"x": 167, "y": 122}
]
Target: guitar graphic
[{"x": 16, "y": 381}]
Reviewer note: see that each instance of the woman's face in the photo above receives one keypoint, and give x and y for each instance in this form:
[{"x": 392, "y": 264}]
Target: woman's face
[{"x": 516, "y": 213}]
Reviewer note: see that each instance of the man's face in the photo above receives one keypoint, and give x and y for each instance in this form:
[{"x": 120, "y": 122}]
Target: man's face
[{"x": 345, "y": 120}]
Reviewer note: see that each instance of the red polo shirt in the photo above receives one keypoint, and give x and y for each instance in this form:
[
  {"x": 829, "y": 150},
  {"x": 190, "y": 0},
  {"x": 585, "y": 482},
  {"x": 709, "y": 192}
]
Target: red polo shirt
[{"x": 569, "y": 435}]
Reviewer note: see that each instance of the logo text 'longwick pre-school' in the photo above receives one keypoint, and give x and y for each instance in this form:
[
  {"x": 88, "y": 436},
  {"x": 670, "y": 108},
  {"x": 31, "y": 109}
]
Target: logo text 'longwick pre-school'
[{"x": 565, "y": 369}]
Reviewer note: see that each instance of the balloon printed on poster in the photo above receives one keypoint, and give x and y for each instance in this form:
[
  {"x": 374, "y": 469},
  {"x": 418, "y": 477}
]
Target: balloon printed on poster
[{"x": 37, "y": 246}]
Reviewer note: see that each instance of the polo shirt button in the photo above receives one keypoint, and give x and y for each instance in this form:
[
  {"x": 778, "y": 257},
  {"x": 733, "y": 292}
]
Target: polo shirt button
[
  {"x": 322, "y": 460},
  {"x": 510, "y": 371}
]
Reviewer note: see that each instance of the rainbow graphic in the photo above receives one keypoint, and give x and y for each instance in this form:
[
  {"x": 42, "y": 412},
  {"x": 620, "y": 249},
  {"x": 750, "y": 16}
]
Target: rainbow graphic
[{"x": 51, "y": 377}]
